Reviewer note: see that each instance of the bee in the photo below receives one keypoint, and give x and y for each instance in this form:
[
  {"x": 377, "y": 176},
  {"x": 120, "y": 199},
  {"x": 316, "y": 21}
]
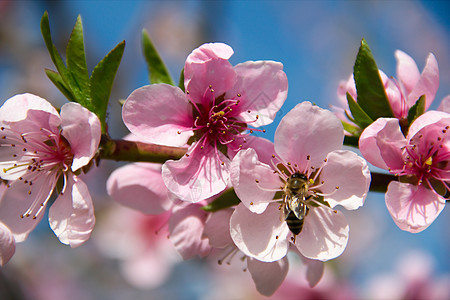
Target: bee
[{"x": 294, "y": 208}]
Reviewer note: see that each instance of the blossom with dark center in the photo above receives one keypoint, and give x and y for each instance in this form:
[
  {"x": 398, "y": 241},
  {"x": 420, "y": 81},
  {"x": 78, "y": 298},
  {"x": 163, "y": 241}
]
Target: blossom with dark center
[
  {"x": 40, "y": 151},
  {"x": 306, "y": 150},
  {"x": 212, "y": 117},
  {"x": 420, "y": 160}
]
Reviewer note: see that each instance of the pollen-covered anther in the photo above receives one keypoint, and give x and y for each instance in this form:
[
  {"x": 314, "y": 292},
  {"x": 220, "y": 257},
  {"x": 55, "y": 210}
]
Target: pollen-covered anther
[
  {"x": 337, "y": 187},
  {"x": 256, "y": 180},
  {"x": 251, "y": 203}
]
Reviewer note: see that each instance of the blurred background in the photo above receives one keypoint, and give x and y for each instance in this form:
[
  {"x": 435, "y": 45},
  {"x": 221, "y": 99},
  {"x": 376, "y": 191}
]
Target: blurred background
[{"x": 317, "y": 42}]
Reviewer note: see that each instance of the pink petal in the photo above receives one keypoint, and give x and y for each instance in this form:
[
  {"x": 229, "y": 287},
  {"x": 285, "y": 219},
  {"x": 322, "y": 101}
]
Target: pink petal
[
  {"x": 445, "y": 104},
  {"x": 245, "y": 170},
  {"x": 314, "y": 270},
  {"x": 396, "y": 99},
  {"x": 16, "y": 201},
  {"x": 217, "y": 228},
  {"x": 324, "y": 235},
  {"x": 381, "y": 142},
  {"x": 208, "y": 66},
  {"x": 268, "y": 276},
  {"x": 186, "y": 227},
  {"x": 7, "y": 244},
  {"x": 412, "y": 207},
  {"x": 437, "y": 118},
  {"x": 72, "y": 215},
  {"x": 263, "y": 88},
  {"x": 263, "y": 147},
  {"x": 19, "y": 107},
  {"x": 308, "y": 130},
  {"x": 407, "y": 71},
  {"x": 198, "y": 176},
  {"x": 349, "y": 172},
  {"x": 11, "y": 157},
  {"x": 344, "y": 88},
  {"x": 157, "y": 113},
  {"x": 207, "y": 52},
  {"x": 428, "y": 83},
  {"x": 139, "y": 186},
  {"x": 147, "y": 270},
  {"x": 261, "y": 236},
  {"x": 82, "y": 130}
]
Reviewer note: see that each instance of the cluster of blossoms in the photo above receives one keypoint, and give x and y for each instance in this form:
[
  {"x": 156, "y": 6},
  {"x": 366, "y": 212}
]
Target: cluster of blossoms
[
  {"x": 419, "y": 156},
  {"x": 289, "y": 192}
]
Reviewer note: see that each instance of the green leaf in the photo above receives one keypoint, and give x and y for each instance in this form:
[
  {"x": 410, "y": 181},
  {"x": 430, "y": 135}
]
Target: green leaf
[
  {"x": 372, "y": 97},
  {"x": 181, "y": 81},
  {"x": 360, "y": 117},
  {"x": 226, "y": 200},
  {"x": 76, "y": 63},
  {"x": 101, "y": 82},
  {"x": 55, "y": 77},
  {"x": 67, "y": 79},
  {"x": 416, "y": 110},
  {"x": 157, "y": 70},
  {"x": 353, "y": 130}
]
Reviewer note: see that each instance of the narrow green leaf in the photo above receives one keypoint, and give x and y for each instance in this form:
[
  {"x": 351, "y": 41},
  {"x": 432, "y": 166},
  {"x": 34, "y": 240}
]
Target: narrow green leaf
[
  {"x": 353, "y": 130},
  {"x": 101, "y": 82},
  {"x": 157, "y": 70},
  {"x": 67, "y": 79},
  {"x": 360, "y": 117},
  {"x": 76, "y": 63},
  {"x": 416, "y": 110},
  {"x": 226, "y": 200},
  {"x": 371, "y": 94},
  {"x": 181, "y": 81},
  {"x": 55, "y": 77}
]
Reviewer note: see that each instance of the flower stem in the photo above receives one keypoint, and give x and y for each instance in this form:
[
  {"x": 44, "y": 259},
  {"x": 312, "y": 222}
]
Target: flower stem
[
  {"x": 122, "y": 150},
  {"x": 380, "y": 182}
]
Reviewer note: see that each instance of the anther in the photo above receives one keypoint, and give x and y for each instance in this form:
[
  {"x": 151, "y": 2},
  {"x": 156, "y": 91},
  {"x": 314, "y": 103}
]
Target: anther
[
  {"x": 308, "y": 157},
  {"x": 251, "y": 203},
  {"x": 237, "y": 95},
  {"x": 256, "y": 180}
]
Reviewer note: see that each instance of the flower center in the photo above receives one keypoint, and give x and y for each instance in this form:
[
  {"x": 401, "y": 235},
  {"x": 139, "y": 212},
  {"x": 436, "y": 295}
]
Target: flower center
[
  {"x": 35, "y": 155},
  {"x": 425, "y": 161},
  {"x": 218, "y": 122}
]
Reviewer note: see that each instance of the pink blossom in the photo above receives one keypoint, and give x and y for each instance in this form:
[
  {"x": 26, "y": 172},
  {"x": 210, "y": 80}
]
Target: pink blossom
[
  {"x": 41, "y": 148},
  {"x": 403, "y": 92},
  {"x": 307, "y": 142},
  {"x": 140, "y": 186},
  {"x": 420, "y": 160},
  {"x": 140, "y": 243},
  {"x": 267, "y": 276},
  {"x": 212, "y": 116}
]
